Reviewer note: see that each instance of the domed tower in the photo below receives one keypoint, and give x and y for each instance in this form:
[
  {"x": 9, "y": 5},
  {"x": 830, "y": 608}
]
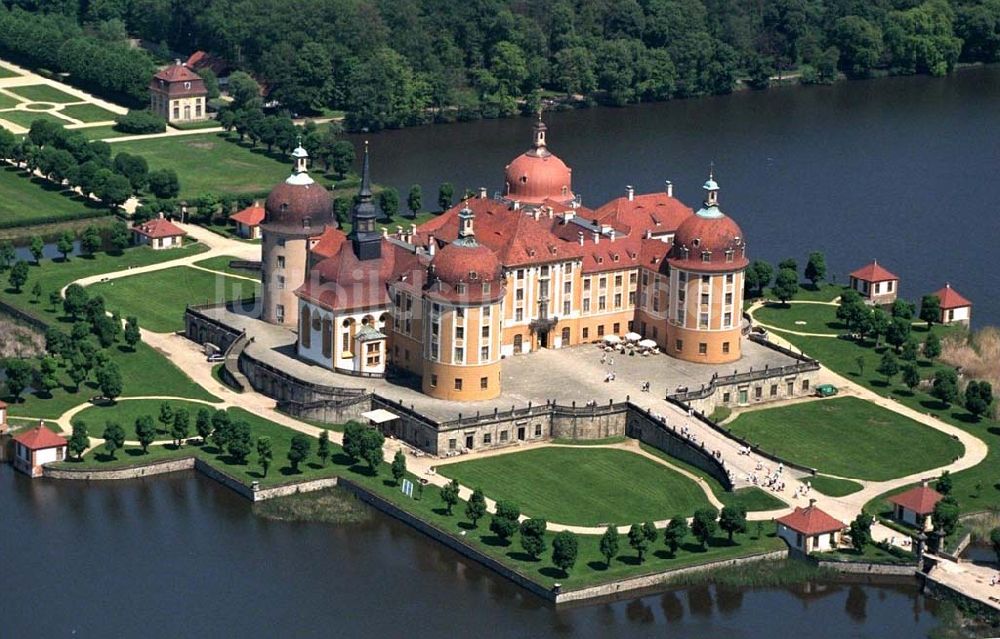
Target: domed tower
[
  {"x": 537, "y": 175},
  {"x": 296, "y": 210},
  {"x": 462, "y": 316},
  {"x": 706, "y": 261}
]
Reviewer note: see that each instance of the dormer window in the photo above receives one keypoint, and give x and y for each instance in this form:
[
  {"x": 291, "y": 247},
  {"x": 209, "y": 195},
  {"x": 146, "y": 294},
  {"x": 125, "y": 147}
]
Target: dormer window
[
  {"x": 706, "y": 256},
  {"x": 284, "y": 207},
  {"x": 524, "y": 179},
  {"x": 486, "y": 288},
  {"x": 460, "y": 289},
  {"x": 187, "y": 85},
  {"x": 614, "y": 258},
  {"x": 473, "y": 275},
  {"x": 729, "y": 255},
  {"x": 306, "y": 222},
  {"x": 696, "y": 242}
]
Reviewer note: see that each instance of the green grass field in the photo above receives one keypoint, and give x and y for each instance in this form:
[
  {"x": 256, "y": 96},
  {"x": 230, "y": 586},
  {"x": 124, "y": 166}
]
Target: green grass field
[
  {"x": 26, "y": 201},
  {"x": 43, "y": 93},
  {"x": 126, "y": 411},
  {"x": 88, "y": 113},
  {"x": 816, "y": 318},
  {"x": 8, "y": 102},
  {"x": 833, "y": 486},
  {"x": 848, "y": 437},
  {"x": 101, "y": 132},
  {"x": 823, "y": 293},
  {"x": 158, "y": 298},
  {"x": 584, "y": 486},
  {"x": 210, "y": 163},
  {"x": 221, "y": 263},
  {"x": 25, "y": 118},
  {"x": 7, "y": 73}
]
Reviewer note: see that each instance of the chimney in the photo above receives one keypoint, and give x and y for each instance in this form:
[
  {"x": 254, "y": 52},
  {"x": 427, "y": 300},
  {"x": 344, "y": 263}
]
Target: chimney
[
  {"x": 399, "y": 232},
  {"x": 630, "y": 192},
  {"x": 649, "y": 234},
  {"x": 548, "y": 210},
  {"x": 535, "y": 214},
  {"x": 160, "y": 215},
  {"x": 385, "y": 232},
  {"x": 670, "y": 188},
  {"x": 812, "y": 502},
  {"x": 567, "y": 216},
  {"x": 431, "y": 245},
  {"x": 611, "y": 235},
  {"x": 482, "y": 193},
  {"x": 923, "y": 483},
  {"x": 413, "y": 230},
  {"x": 517, "y": 205},
  {"x": 597, "y": 237},
  {"x": 580, "y": 233}
]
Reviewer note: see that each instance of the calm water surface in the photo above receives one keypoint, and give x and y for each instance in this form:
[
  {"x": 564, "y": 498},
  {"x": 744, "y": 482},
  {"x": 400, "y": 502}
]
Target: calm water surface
[
  {"x": 900, "y": 169},
  {"x": 182, "y": 556}
]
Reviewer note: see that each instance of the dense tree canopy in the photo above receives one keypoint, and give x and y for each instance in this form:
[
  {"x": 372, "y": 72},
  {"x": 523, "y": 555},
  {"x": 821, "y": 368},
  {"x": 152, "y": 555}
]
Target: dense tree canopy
[{"x": 397, "y": 63}]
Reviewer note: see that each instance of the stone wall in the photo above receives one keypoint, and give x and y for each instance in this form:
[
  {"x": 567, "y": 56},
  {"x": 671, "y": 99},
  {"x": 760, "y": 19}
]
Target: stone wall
[
  {"x": 650, "y": 430},
  {"x": 660, "y": 578},
  {"x": 867, "y": 568},
  {"x": 133, "y": 472},
  {"x": 202, "y": 329},
  {"x": 597, "y": 425}
]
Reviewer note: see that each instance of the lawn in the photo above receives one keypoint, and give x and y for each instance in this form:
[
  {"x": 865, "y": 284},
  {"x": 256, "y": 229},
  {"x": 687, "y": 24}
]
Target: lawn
[
  {"x": 144, "y": 372},
  {"x": 25, "y": 118},
  {"x": 101, "y": 132},
  {"x": 221, "y": 263},
  {"x": 751, "y": 497},
  {"x": 841, "y": 356},
  {"x": 848, "y": 437},
  {"x": 7, "y": 73},
  {"x": 29, "y": 201},
  {"x": 43, "y": 93},
  {"x": 210, "y": 163},
  {"x": 158, "y": 298},
  {"x": 870, "y": 554},
  {"x": 53, "y": 275},
  {"x": 7, "y": 101},
  {"x": 805, "y": 318},
  {"x": 88, "y": 113},
  {"x": 833, "y": 486},
  {"x": 822, "y": 293},
  {"x": 126, "y": 411},
  {"x": 583, "y": 486}
]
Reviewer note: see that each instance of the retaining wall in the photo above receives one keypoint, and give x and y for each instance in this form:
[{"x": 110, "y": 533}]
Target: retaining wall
[
  {"x": 866, "y": 568},
  {"x": 650, "y": 430}
]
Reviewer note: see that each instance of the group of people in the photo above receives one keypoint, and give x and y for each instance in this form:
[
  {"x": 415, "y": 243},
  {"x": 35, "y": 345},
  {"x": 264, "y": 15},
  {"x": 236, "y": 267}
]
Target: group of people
[
  {"x": 768, "y": 479},
  {"x": 803, "y": 489}
]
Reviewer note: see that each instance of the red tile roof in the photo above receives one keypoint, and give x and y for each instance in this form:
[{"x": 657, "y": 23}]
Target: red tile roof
[
  {"x": 657, "y": 213},
  {"x": 811, "y": 521},
  {"x": 250, "y": 216},
  {"x": 204, "y": 60},
  {"x": 920, "y": 500},
  {"x": 178, "y": 81},
  {"x": 950, "y": 298},
  {"x": 177, "y": 73},
  {"x": 328, "y": 242},
  {"x": 39, "y": 437},
  {"x": 344, "y": 282},
  {"x": 3, "y": 404},
  {"x": 158, "y": 227},
  {"x": 873, "y": 272}
]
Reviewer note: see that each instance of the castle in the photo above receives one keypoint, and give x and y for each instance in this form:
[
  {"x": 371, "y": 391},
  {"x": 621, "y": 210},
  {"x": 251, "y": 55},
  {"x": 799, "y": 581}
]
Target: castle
[{"x": 496, "y": 277}]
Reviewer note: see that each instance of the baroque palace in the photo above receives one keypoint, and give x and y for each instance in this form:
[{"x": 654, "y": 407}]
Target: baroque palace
[{"x": 495, "y": 277}]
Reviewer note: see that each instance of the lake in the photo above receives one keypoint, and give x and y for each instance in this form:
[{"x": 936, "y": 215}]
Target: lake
[
  {"x": 182, "y": 556},
  {"x": 899, "y": 169}
]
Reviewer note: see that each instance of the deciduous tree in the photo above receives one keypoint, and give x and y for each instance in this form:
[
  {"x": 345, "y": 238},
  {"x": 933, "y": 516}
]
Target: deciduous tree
[
  {"x": 298, "y": 451},
  {"x": 565, "y": 549},
  {"x": 398, "y": 468},
  {"x": 704, "y": 524},
  {"x": 475, "y": 508},
  {"x": 114, "y": 438},
  {"x": 145, "y": 431},
  {"x": 505, "y": 522},
  {"x": 264, "y": 453},
  {"x": 533, "y": 537},
  {"x": 675, "y": 532},
  {"x": 733, "y": 519},
  {"x": 449, "y": 495},
  {"x": 609, "y": 545},
  {"x": 79, "y": 441}
]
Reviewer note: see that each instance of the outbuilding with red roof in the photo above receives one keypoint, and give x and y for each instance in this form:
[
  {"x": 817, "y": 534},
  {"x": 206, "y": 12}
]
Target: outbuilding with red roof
[
  {"x": 158, "y": 233},
  {"x": 178, "y": 94},
  {"x": 248, "y": 221},
  {"x": 914, "y": 506},
  {"x": 955, "y": 309},
  {"x": 36, "y": 447},
  {"x": 876, "y": 283},
  {"x": 810, "y": 529}
]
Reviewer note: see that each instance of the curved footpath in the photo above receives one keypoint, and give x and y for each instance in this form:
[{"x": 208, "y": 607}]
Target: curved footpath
[{"x": 188, "y": 357}]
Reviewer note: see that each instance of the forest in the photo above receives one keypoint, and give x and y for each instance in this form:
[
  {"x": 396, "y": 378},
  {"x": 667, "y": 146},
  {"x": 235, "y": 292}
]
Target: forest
[{"x": 393, "y": 63}]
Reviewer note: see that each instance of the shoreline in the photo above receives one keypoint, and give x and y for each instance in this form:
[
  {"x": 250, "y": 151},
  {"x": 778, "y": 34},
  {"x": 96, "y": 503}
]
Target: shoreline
[{"x": 653, "y": 581}]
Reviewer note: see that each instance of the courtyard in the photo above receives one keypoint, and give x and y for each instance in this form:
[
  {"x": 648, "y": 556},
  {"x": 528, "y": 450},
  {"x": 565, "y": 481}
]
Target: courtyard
[{"x": 566, "y": 375}]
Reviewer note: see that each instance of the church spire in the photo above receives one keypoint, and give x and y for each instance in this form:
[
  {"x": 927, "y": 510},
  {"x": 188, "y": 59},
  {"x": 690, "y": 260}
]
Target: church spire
[
  {"x": 711, "y": 188},
  {"x": 538, "y": 133},
  {"x": 365, "y": 238}
]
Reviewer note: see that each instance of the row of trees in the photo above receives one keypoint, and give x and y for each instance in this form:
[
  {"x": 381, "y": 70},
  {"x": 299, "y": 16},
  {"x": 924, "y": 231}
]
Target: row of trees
[
  {"x": 67, "y": 158},
  {"x": 99, "y": 60},
  {"x": 759, "y": 275},
  {"x": 402, "y": 63}
]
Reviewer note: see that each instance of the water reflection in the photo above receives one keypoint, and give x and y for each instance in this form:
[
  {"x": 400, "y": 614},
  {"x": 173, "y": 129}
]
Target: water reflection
[{"x": 160, "y": 544}]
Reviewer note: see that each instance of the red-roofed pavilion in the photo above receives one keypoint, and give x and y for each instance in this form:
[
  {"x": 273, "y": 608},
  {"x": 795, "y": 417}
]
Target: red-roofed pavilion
[
  {"x": 954, "y": 307},
  {"x": 36, "y": 447},
  {"x": 915, "y": 506},
  {"x": 875, "y": 282},
  {"x": 248, "y": 221},
  {"x": 810, "y": 529}
]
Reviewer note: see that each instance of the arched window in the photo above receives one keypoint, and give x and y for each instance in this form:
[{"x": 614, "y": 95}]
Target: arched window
[
  {"x": 327, "y": 333},
  {"x": 305, "y": 328},
  {"x": 518, "y": 342},
  {"x": 565, "y": 336}
]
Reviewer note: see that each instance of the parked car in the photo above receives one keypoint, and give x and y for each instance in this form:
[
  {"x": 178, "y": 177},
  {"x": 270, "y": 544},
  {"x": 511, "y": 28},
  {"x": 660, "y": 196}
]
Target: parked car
[
  {"x": 826, "y": 390},
  {"x": 216, "y": 357}
]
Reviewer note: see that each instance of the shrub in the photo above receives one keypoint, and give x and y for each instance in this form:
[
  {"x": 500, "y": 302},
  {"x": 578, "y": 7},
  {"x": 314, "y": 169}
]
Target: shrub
[{"x": 140, "y": 122}]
